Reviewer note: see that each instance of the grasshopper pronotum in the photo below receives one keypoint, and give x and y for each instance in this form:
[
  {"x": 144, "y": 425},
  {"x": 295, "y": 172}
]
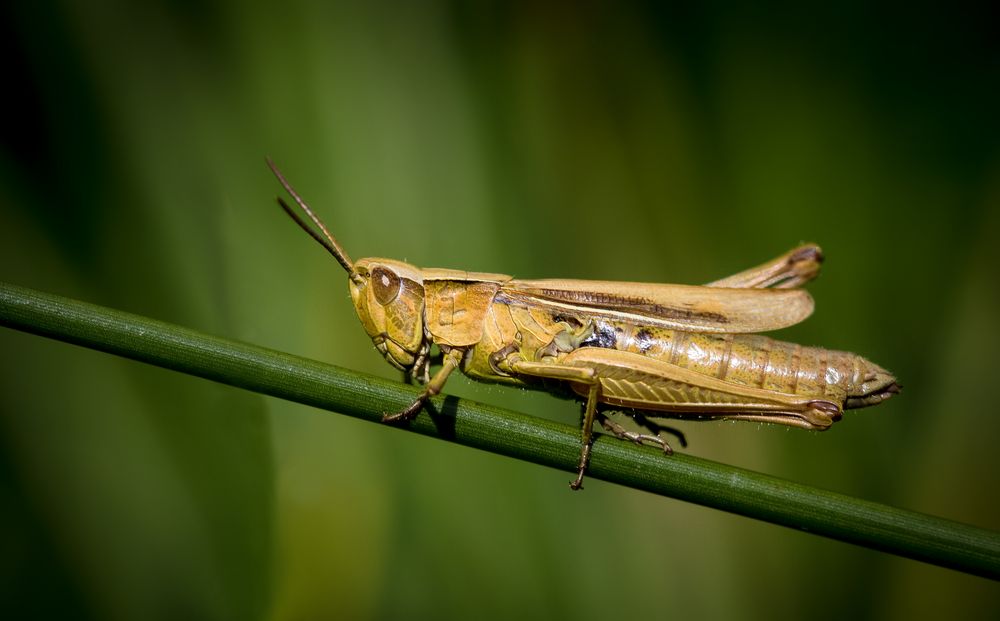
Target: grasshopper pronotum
[{"x": 658, "y": 351}]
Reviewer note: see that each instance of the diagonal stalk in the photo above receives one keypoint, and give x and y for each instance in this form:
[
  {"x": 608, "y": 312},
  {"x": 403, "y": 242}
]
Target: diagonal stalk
[{"x": 837, "y": 516}]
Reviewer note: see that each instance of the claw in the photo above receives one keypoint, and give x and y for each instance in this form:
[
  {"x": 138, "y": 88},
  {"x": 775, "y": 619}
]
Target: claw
[{"x": 406, "y": 415}]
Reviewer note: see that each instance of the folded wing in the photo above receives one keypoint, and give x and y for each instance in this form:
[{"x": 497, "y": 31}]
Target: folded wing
[{"x": 678, "y": 307}]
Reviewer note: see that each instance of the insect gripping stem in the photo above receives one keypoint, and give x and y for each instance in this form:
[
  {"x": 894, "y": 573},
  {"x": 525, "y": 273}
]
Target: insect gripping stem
[{"x": 660, "y": 351}]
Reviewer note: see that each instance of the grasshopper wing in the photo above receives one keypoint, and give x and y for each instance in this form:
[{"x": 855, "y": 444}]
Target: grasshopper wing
[{"x": 678, "y": 307}]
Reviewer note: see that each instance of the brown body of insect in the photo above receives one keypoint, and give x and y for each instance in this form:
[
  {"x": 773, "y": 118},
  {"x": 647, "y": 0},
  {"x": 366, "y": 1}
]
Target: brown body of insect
[
  {"x": 718, "y": 376},
  {"x": 655, "y": 351}
]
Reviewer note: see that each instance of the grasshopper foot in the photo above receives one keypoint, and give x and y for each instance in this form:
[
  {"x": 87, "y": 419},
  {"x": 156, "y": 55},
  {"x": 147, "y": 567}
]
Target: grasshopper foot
[
  {"x": 657, "y": 428},
  {"x": 631, "y": 436},
  {"x": 451, "y": 360},
  {"x": 584, "y": 460},
  {"x": 406, "y": 415}
]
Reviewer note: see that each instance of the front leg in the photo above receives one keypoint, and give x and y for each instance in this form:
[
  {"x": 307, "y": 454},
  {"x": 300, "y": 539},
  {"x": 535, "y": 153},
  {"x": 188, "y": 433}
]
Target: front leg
[
  {"x": 451, "y": 361},
  {"x": 420, "y": 371}
]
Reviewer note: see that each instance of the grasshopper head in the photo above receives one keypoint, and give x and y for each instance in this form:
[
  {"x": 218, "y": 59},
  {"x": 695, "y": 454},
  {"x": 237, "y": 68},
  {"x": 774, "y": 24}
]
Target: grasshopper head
[
  {"x": 388, "y": 295},
  {"x": 389, "y": 299}
]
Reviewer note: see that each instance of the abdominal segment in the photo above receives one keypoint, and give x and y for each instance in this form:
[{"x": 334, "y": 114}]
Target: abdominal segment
[
  {"x": 746, "y": 376},
  {"x": 749, "y": 360}
]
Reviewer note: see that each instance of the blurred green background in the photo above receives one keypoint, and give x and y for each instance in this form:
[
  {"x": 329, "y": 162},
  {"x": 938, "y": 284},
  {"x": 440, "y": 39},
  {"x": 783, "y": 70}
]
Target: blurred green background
[{"x": 630, "y": 142}]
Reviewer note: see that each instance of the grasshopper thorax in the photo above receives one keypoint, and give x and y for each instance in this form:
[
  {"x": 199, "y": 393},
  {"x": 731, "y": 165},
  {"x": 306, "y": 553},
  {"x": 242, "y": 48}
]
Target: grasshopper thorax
[{"x": 388, "y": 296}]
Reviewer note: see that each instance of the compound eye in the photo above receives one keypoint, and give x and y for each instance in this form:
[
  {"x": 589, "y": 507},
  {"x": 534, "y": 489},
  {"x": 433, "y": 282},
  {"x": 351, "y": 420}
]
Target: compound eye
[{"x": 385, "y": 285}]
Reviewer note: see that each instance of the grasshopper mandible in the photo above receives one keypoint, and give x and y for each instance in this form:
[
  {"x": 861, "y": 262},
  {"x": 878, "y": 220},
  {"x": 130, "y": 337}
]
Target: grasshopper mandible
[{"x": 656, "y": 351}]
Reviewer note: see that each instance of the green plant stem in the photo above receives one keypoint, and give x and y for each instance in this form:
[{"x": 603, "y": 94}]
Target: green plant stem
[{"x": 913, "y": 535}]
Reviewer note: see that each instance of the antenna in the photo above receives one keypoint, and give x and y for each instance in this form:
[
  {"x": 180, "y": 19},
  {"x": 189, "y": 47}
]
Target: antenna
[{"x": 326, "y": 239}]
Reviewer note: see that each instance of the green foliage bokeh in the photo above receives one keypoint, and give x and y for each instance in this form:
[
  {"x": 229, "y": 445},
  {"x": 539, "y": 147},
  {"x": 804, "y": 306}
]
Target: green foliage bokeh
[{"x": 628, "y": 143}]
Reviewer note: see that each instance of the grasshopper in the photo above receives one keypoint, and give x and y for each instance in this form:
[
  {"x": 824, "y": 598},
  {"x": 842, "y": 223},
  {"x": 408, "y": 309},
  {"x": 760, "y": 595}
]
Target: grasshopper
[{"x": 656, "y": 351}]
